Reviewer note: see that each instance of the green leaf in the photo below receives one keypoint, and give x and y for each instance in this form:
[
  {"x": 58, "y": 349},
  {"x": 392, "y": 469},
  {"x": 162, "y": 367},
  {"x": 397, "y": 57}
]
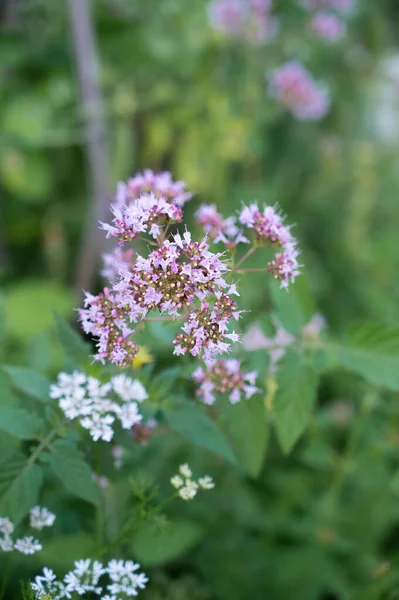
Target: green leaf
[
  {"x": 29, "y": 382},
  {"x": 20, "y": 483},
  {"x": 76, "y": 350},
  {"x": 154, "y": 545},
  {"x": 247, "y": 425},
  {"x": 29, "y": 306},
  {"x": 395, "y": 484},
  {"x": 293, "y": 308},
  {"x": 7, "y": 396},
  {"x": 160, "y": 385},
  {"x": 61, "y": 552},
  {"x": 294, "y": 399},
  {"x": 191, "y": 421},
  {"x": 372, "y": 351},
  {"x": 73, "y": 471},
  {"x": 21, "y": 423}
]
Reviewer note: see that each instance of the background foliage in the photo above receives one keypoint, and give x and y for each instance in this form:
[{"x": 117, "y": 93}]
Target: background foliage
[{"x": 323, "y": 522}]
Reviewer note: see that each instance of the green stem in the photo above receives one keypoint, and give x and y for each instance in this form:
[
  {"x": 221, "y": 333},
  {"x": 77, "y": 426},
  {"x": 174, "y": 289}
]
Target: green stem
[
  {"x": 6, "y": 577},
  {"x": 251, "y": 271},
  {"x": 44, "y": 443},
  {"x": 244, "y": 258},
  {"x": 131, "y": 525},
  {"x": 99, "y": 510}
]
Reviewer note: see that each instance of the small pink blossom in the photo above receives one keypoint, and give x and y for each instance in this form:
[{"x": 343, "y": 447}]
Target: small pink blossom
[
  {"x": 113, "y": 261},
  {"x": 218, "y": 228},
  {"x": 228, "y": 16},
  {"x": 224, "y": 377},
  {"x": 158, "y": 184},
  {"x": 247, "y": 19},
  {"x": 269, "y": 227},
  {"x": 327, "y": 26},
  {"x": 255, "y": 339},
  {"x": 294, "y": 87},
  {"x": 144, "y": 214}
]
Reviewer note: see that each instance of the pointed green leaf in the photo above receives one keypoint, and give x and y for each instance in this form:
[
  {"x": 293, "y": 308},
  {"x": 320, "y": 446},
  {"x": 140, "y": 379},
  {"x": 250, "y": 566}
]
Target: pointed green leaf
[
  {"x": 76, "y": 350},
  {"x": 247, "y": 425},
  {"x": 29, "y": 382},
  {"x": 372, "y": 351},
  {"x": 191, "y": 421},
  {"x": 73, "y": 471},
  {"x": 294, "y": 399},
  {"x": 294, "y": 308},
  {"x": 21, "y": 423},
  {"x": 154, "y": 545},
  {"x": 20, "y": 483}
]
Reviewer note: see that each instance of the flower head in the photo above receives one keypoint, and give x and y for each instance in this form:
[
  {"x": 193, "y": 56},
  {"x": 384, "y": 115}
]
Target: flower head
[
  {"x": 327, "y": 26},
  {"x": 185, "y": 484},
  {"x": 294, "y": 87},
  {"x": 269, "y": 228},
  {"x": 218, "y": 228},
  {"x": 40, "y": 517},
  {"x": 27, "y": 545},
  {"x": 247, "y": 19},
  {"x": 224, "y": 377},
  {"x": 160, "y": 185},
  {"x": 97, "y": 406}
]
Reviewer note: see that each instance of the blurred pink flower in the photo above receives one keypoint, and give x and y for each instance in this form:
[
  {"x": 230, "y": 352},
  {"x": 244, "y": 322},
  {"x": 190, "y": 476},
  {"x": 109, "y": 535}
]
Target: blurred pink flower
[
  {"x": 327, "y": 26},
  {"x": 294, "y": 87},
  {"x": 228, "y": 16}
]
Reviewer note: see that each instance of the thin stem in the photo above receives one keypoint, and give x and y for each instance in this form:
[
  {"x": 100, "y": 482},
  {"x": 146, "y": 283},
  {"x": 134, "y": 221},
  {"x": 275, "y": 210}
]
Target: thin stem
[
  {"x": 130, "y": 526},
  {"x": 147, "y": 241},
  {"x": 44, "y": 443},
  {"x": 251, "y": 271},
  {"x": 5, "y": 577},
  {"x": 99, "y": 511},
  {"x": 243, "y": 258},
  {"x": 153, "y": 319}
]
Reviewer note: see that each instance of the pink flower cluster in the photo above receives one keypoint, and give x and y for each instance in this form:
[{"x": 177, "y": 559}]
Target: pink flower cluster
[
  {"x": 255, "y": 339},
  {"x": 224, "y": 377},
  {"x": 169, "y": 280},
  {"x": 269, "y": 227},
  {"x": 218, "y": 228},
  {"x": 247, "y": 19},
  {"x": 147, "y": 203},
  {"x": 159, "y": 184},
  {"x": 294, "y": 87},
  {"x": 146, "y": 214},
  {"x": 179, "y": 278},
  {"x": 327, "y": 26}
]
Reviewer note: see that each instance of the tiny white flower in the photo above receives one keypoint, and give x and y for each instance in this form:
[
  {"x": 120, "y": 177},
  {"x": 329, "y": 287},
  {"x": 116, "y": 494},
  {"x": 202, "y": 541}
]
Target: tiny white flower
[
  {"x": 189, "y": 491},
  {"x": 206, "y": 483},
  {"x": 6, "y": 527},
  {"x": 27, "y": 545},
  {"x": 129, "y": 415},
  {"x": 6, "y": 544},
  {"x": 185, "y": 471},
  {"x": 177, "y": 481},
  {"x": 40, "y": 517},
  {"x": 128, "y": 389}
]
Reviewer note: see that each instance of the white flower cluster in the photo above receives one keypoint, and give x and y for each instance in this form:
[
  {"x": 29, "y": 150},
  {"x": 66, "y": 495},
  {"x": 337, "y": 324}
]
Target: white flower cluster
[
  {"x": 38, "y": 519},
  {"x": 124, "y": 581},
  {"x": 186, "y": 486},
  {"x": 98, "y": 405}
]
